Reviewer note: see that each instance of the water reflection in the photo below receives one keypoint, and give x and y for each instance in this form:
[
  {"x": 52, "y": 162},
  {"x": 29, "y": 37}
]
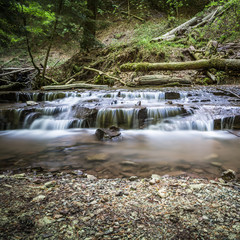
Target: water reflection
[{"x": 142, "y": 152}]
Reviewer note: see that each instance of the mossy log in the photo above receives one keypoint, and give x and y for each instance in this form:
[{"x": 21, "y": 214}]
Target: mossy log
[
  {"x": 74, "y": 86},
  {"x": 11, "y": 86},
  {"x": 161, "y": 80},
  {"x": 219, "y": 64}
]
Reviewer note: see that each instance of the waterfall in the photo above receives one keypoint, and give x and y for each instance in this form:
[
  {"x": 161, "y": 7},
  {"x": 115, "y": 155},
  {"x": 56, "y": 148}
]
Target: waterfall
[{"x": 125, "y": 118}]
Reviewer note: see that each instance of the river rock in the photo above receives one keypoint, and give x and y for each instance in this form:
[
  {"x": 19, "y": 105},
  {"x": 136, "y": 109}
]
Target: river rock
[
  {"x": 98, "y": 157},
  {"x": 229, "y": 175},
  {"x": 38, "y": 198},
  {"x": 31, "y": 103},
  {"x": 156, "y": 177},
  {"x": 91, "y": 177},
  {"x": 133, "y": 178},
  {"x": 107, "y": 134},
  {"x": 172, "y": 95},
  {"x": 50, "y": 184},
  {"x": 216, "y": 164}
]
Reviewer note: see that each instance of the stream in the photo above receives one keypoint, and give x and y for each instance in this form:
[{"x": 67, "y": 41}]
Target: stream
[{"x": 173, "y": 131}]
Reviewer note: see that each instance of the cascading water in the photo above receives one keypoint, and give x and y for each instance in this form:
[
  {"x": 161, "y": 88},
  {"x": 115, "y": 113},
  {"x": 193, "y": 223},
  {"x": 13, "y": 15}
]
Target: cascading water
[{"x": 162, "y": 131}]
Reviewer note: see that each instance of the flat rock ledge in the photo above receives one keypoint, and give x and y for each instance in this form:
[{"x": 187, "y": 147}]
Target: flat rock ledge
[{"x": 78, "y": 206}]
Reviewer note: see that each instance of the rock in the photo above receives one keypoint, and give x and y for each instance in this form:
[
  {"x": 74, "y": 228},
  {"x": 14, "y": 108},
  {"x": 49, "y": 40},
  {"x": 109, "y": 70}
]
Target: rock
[
  {"x": 77, "y": 172},
  {"x": 50, "y": 184},
  {"x": 45, "y": 221},
  {"x": 133, "y": 178},
  {"x": 119, "y": 193},
  {"x": 133, "y": 187},
  {"x": 172, "y": 95},
  {"x": 77, "y": 204},
  {"x": 21, "y": 175},
  {"x": 216, "y": 164},
  {"x": 39, "y": 198},
  {"x": 162, "y": 193},
  {"x": 212, "y": 156},
  {"x": 197, "y": 186},
  {"x": 98, "y": 157},
  {"x": 107, "y": 134},
  {"x": 229, "y": 175},
  {"x": 128, "y": 163},
  {"x": 91, "y": 177},
  {"x": 156, "y": 177},
  {"x": 31, "y": 103},
  {"x": 152, "y": 181}
]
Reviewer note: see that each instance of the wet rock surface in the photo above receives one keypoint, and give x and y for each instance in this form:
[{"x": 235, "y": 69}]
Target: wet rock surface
[{"x": 70, "y": 206}]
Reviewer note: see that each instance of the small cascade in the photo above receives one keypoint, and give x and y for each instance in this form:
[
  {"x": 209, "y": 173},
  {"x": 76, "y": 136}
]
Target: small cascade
[
  {"x": 154, "y": 114},
  {"x": 125, "y": 118},
  {"x": 46, "y": 123},
  {"x": 184, "y": 125}
]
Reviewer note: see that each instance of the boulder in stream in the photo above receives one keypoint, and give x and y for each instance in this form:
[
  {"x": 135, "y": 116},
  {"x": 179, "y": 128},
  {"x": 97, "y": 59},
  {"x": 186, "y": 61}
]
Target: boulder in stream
[{"x": 112, "y": 133}]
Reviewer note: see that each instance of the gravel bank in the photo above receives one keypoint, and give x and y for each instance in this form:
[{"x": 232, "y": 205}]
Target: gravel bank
[{"x": 79, "y": 206}]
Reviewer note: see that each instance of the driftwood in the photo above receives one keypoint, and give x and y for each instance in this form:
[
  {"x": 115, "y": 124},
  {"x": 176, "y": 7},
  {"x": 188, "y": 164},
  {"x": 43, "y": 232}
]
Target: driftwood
[
  {"x": 220, "y": 64},
  {"x": 73, "y": 86},
  {"x": 105, "y": 74},
  {"x": 161, "y": 80}
]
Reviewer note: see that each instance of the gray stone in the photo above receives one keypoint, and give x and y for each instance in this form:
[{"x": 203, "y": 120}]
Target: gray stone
[
  {"x": 31, "y": 103},
  {"x": 216, "y": 164},
  {"x": 119, "y": 193},
  {"x": 38, "y": 198},
  {"x": 91, "y": 177},
  {"x": 229, "y": 175},
  {"x": 133, "y": 178},
  {"x": 98, "y": 157},
  {"x": 50, "y": 184}
]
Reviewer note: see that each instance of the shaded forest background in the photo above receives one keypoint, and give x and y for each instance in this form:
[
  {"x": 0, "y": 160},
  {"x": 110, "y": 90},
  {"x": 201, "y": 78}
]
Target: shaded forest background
[{"x": 104, "y": 34}]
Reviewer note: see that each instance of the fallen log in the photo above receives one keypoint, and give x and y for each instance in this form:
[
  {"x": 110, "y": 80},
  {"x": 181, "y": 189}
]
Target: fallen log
[
  {"x": 73, "y": 86},
  {"x": 161, "y": 80},
  {"x": 171, "y": 34},
  {"x": 22, "y": 70},
  {"x": 220, "y": 64},
  {"x": 12, "y": 86}
]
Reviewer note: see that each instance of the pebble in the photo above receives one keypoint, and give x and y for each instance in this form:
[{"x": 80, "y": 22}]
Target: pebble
[
  {"x": 156, "y": 177},
  {"x": 152, "y": 181},
  {"x": 133, "y": 178},
  {"x": 50, "y": 184},
  {"x": 216, "y": 164},
  {"x": 31, "y": 103},
  {"x": 98, "y": 157},
  {"x": 39, "y": 198},
  {"x": 91, "y": 177},
  {"x": 229, "y": 175},
  {"x": 119, "y": 193}
]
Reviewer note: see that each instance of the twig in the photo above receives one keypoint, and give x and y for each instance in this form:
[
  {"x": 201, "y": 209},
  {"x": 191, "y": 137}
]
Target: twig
[
  {"x": 17, "y": 71},
  {"x": 105, "y": 74}
]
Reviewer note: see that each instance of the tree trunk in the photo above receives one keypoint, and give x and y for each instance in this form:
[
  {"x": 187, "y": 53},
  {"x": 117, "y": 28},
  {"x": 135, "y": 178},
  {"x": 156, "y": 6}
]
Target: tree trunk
[
  {"x": 73, "y": 86},
  {"x": 220, "y": 64},
  {"x": 161, "y": 80},
  {"x": 51, "y": 38},
  {"x": 89, "y": 30}
]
